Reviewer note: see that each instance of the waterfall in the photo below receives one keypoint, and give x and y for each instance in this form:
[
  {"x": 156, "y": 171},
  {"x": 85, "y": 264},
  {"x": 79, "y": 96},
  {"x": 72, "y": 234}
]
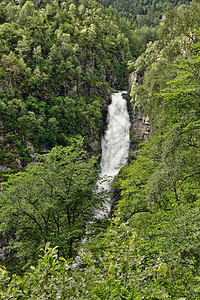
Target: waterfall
[
  {"x": 115, "y": 151},
  {"x": 115, "y": 145}
]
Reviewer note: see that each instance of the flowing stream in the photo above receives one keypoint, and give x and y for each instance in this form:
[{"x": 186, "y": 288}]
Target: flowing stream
[{"x": 115, "y": 145}]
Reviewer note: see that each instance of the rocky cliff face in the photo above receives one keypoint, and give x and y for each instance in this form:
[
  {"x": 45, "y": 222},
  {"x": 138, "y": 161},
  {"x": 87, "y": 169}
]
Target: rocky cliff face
[
  {"x": 140, "y": 129},
  {"x": 140, "y": 125}
]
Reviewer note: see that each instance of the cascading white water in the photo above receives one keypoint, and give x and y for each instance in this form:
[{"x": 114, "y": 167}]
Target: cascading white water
[
  {"x": 115, "y": 144},
  {"x": 115, "y": 151}
]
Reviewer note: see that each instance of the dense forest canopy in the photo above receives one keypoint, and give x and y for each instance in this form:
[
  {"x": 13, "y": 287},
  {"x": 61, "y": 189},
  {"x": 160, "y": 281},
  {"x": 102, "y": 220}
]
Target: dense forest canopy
[
  {"x": 58, "y": 61},
  {"x": 143, "y": 12}
]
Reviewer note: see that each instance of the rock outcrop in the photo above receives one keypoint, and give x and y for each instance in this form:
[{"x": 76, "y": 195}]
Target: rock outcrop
[{"x": 140, "y": 124}]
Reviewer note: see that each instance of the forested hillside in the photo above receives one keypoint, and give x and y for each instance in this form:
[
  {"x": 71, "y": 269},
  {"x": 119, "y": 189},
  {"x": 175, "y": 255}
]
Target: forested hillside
[
  {"x": 149, "y": 249},
  {"x": 55, "y": 56},
  {"x": 143, "y": 12}
]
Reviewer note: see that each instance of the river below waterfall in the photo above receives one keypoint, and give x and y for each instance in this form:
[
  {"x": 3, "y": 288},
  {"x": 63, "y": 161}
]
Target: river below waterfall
[{"x": 115, "y": 145}]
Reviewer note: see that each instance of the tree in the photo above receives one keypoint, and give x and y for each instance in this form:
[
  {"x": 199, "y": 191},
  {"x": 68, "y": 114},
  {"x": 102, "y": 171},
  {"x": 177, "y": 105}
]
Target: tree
[{"x": 52, "y": 200}]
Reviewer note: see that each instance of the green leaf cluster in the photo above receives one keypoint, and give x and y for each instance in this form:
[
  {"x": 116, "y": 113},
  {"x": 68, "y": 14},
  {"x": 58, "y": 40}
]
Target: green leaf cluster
[{"x": 159, "y": 262}]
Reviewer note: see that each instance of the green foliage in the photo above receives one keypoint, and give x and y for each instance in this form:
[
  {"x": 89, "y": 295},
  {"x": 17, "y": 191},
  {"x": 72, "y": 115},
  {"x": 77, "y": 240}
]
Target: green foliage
[
  {"x": 160, "y": 187},
  {"x": 160, "y": 262},
  {"x": 168, "y": 253},
  {"x": 50, "y": 201},
  {"x": 143, "y": 12},
  {"x": 58, "y": 59},
  {"x": 48, "y": 279},
  {"x": 133, "y": 183},
  {"x": 168, "y": 93},
  {"x": 55, "y": 277},
  {"x": 150, "y": 250}
]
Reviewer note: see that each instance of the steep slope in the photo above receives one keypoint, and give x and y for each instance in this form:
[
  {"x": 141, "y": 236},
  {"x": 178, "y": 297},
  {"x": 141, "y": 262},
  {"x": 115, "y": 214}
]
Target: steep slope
[{"x": 58, "y": 60}]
